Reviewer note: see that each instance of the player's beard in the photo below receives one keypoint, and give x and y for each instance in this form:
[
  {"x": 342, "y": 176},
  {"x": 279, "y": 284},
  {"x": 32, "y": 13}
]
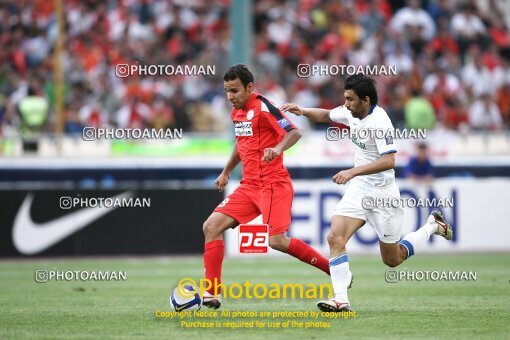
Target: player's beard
[
  {"x": 357, "y": 114},
  {"x": 354, "y": 114}
]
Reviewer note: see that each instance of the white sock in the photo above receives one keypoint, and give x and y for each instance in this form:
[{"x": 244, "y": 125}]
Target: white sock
[
  {"x": 418, "y": 238},
  {"x": 339, "y": 270}
]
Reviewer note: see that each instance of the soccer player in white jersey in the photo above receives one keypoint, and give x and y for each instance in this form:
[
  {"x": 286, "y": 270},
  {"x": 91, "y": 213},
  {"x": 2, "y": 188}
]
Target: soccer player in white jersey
[{"x": 372, "y": 176}]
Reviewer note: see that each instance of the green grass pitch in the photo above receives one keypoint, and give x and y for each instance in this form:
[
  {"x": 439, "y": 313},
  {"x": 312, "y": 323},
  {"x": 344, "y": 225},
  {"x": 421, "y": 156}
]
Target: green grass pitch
[{"x": 126, "y": 309}]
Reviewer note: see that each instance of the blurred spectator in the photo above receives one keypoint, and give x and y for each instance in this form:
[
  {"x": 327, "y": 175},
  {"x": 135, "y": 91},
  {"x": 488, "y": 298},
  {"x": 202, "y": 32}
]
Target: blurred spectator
[
  {"x": 134, "y": 114},
  {"x": 201, "y": 118},
  {"x": 441, "y": 86},
  {"x": 467, "y": 27},
  {"x": 268, "y": 58},
  {"x": 476, "y": 77},
  {"x": 93, "y": 115},
  {"x": 420, "y": 168},
  {"x": 182, "y": 120},
  {"x": 372, "y": 20},
  {"x": 488, "y": 10},
  {"x": 499, "y": 33},
  {"x": 443, "y": 41},
  {"x": 402, "y": 60},
  {"x": 280, "y": 30},
  {"x": 440, "y": 10},
  {"x": 270, "y": 87},
  {"x": 396, "y": 100},
  {"x": 419, "y": 114},
  {"x": 72, "y": 121},
  {"x": 492, "y": 59},
  {"x": 35, "y": 47},
  {"x": 162, "y": 115},
  {"x": 349, "y": 29},
  {"x": 502, "y": 73},
  {"x": 33, "y": 111},
  {"x": 412, "y": 20},
  {"x": 304, "y": 97},
  {"x": 455, "y": 115},
  {"x": 484, "y": 114}
]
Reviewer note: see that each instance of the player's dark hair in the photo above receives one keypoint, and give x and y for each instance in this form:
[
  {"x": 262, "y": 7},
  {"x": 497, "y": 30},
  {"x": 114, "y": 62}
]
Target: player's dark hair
[
  {"x": 363, "y": 86},
  {"x": 240, "y": 71}
]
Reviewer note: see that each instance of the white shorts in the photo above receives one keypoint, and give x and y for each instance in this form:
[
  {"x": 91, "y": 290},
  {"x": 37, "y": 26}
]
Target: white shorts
[{"x": 386, "y": 221}]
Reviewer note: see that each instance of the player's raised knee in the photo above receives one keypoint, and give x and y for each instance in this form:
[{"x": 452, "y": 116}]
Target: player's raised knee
[
  {"x": 391, "y": 261},
  {"x": 210, "y": 227}
]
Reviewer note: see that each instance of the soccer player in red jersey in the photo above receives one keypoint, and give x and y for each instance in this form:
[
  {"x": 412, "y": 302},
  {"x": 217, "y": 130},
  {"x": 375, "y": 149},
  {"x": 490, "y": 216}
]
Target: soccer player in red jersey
[{"x": 263, "y": 133}]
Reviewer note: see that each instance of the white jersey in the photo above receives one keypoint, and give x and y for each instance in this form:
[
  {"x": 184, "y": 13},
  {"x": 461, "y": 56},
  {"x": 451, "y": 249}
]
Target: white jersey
[{"x": 375, "y": 140}]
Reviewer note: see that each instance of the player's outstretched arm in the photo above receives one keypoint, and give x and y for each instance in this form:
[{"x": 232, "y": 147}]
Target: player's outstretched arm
[
  {"x": 288, "y": 141},
  {"x": 222, "y": 179},
  {"x": 314, "y": 114},
  {"x": 385, "y": 162}
]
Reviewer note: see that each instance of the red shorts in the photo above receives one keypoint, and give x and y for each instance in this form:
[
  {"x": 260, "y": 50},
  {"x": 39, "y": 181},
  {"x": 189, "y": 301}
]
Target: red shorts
[{"x": 273, "y": 201}]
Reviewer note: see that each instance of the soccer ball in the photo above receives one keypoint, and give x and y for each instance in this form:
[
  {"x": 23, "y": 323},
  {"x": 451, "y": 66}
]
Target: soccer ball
[{"x": 185, "y": 297}]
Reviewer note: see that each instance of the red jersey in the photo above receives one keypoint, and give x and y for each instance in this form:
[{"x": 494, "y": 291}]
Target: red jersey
[{"x": 260, "y": 125}]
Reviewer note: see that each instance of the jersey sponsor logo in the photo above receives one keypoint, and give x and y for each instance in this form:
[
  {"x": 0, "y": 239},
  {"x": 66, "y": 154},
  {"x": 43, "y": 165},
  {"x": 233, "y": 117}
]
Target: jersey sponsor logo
[
  {"x": 242, "y": 129},
  {"x": 358, "y": 143},
  {"x": 253, "y": 238},
  {"x": 283, "y": 123},
  {"x": 250, "y": 115},
  {"x": 31, "y": 238}
]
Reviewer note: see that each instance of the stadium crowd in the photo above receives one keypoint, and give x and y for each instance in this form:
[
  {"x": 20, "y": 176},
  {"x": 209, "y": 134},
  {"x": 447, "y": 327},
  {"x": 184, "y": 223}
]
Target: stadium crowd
[{"x": 452, "y": 58}]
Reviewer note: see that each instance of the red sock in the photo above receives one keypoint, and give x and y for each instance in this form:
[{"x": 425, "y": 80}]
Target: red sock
[
  {"x": 307, "y": 254},
  {"x": 213, "y": 259}
]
